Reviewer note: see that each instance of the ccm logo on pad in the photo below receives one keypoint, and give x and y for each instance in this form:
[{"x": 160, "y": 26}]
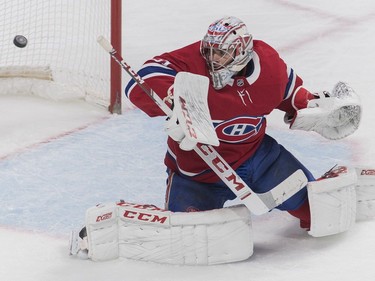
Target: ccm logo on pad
[
  {"x": 104, "y": 217},
  {"x": 145, "y": 217},
  {"x": 368, "y": 172}
]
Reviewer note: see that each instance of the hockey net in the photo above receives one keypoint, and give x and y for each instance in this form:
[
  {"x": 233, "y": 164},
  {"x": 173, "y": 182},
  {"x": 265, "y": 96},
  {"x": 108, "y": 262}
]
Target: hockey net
[{"x": 62, "y": 59}]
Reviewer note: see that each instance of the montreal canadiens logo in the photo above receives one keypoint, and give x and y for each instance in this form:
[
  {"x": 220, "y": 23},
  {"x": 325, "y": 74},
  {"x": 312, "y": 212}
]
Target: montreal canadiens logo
[{"x": 239, "y": 129}]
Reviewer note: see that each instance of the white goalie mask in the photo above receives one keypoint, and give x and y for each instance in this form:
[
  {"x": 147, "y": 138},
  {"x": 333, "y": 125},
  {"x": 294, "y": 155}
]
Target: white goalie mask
[{"x": 227, "y": 48}]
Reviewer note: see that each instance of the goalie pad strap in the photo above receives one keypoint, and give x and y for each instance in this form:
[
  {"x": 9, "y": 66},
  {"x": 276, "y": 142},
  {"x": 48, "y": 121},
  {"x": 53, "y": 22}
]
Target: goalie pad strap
[
  {"x": 144, "y": 232},
  {"x": 333, "y": 203}
]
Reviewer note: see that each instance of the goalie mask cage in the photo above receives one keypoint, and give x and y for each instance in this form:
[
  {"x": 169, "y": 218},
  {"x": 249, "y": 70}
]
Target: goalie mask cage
[{"x": 62, "y": 59}]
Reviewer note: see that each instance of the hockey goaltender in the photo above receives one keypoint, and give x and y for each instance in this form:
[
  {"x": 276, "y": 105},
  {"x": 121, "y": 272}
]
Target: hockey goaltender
[{"x": 216, "y": 94}]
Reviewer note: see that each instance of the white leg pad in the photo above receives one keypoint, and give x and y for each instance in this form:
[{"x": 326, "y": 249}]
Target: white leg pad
[
  {"x": 333, "y": 203},
  {"x": 365, "y": 193},
  {"x": 144, "y": 232},
  {"x": 102, "y": 231}
]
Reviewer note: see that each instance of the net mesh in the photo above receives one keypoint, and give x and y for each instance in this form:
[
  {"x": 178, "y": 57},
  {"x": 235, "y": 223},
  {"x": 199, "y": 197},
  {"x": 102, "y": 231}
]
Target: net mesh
[{"x": 61, "y": 41}]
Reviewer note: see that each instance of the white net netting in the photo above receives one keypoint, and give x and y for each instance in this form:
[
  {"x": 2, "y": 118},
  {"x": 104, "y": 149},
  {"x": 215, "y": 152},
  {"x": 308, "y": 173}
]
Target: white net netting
[{"x": 62, "y": 58}]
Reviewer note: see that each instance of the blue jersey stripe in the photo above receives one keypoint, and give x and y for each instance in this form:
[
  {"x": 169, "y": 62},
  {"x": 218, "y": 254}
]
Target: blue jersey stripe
[
  {"x": 290, "y": 82},
  {"x": 143, "y": 72}
]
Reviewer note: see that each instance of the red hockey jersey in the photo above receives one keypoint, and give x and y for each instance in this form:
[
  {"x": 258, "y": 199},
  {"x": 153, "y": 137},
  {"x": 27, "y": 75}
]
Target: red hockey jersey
[{"x": 238, "y": 110}]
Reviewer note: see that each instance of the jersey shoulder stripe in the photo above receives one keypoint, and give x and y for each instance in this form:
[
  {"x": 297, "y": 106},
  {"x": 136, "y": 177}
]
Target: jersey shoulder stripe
[
  {"x": 150, "y": 70},
  {"x": 291, "y": 83}
]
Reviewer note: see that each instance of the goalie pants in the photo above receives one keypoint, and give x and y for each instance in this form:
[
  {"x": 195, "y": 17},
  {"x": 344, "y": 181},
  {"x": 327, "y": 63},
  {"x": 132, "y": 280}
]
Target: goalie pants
[{"x": 269, "y": 166}]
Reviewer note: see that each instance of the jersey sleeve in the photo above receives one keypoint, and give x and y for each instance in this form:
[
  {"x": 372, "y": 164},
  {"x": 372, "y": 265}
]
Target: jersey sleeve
[
  {"x": 292, "y": 95},
  {"x": 287, "y": 89},
  {"x": 296, "y": 95},
  {"x": 159, "y": 73}
]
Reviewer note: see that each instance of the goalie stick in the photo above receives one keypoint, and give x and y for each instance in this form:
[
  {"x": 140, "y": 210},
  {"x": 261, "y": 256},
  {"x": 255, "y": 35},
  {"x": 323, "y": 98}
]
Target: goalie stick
[{"x": 256, "y": 203}]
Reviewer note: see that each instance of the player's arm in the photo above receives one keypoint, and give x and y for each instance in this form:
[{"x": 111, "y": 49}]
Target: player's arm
[
  {"x": 159, "y": 73},
  {"x": 296, "y": 96}
]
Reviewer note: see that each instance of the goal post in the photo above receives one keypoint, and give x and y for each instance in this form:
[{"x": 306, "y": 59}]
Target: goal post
[
  {"x": 62, "y": 59},
  {"x": 116, "y": 39}
]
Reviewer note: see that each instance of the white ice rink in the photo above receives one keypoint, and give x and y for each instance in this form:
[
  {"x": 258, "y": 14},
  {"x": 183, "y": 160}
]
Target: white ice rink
[{"x": 59, "y": 158}]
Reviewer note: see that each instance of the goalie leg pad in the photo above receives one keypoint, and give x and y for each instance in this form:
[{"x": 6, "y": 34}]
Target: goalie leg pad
[
  {"x": 144, "y": 232},
  {"x": 102, "y": 232},
  {"x": 333, "y": 203},
  {"x": 365, "y": 193}
]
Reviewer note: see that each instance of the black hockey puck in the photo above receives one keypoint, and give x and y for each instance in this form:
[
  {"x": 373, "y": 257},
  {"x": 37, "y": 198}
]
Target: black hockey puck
[{"x": 20, "y": 41}]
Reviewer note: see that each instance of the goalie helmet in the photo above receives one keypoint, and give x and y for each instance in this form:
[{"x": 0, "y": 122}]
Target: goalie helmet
[{"x": 227, "y": 48}]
